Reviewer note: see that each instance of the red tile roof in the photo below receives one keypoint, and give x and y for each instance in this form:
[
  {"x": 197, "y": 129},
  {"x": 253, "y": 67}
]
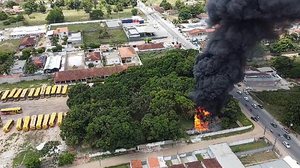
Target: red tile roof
[
  {"x": 150, "y": 46},
  {"x": 196, "y": 164},
  {"x": 127, "y": 52},
  {"x": 153, "y": 162},
  {"x": 211, "y": 163},
  {"x": 177, "y": 166},
  {"x": 27, "y": 41},
  {"x": 93, "y": 56},
  {"x": 87, "y": 73},
  {"x": 61, "y": 30},
  {"x": 136, "y": 164}
]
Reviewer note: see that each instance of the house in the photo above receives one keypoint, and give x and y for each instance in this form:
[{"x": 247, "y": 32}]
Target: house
[
  {"x": 150, "y": 47},
  {"x": 27, "y": 42},
  {"x": 75, "y": 39},
  {"x": 53, "y": 64},
  {"x": 80, "y": 75},
  {"x": 112, "y": 58},
  {"x": 23, "y": 31},
  {"x": 199, "y": 34},
  {"x": 61, "y": 32},
  {"x": 137, "y": 32},
  {"x": 136, "y": 164},
  {"x": 127, "y": 54},
  {"x": 39, "y": 61},
  {"x": 153, "y": 162},
  {"x": 94, "y": 58},
  {"x": 105, "y": 48}
]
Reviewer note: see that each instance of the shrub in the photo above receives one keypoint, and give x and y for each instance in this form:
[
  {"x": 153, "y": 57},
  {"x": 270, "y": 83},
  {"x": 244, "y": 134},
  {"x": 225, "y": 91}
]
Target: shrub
[{"x": 66, "y": 158}]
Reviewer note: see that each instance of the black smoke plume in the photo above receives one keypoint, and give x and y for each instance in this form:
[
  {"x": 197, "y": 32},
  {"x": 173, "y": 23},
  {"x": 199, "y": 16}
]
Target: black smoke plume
[{"x": 241, "y": 25}]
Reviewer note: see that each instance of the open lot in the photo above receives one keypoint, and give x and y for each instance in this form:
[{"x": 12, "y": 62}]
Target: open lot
[
  {"x": 116, "y": 36},
  {"x": 9, "y": 45},
  {"x": 258, "y": 158},
  {"x": 249, "y": 146},
  {"x": 82, "y": 27},
  {"x": 25, "y": 84}
]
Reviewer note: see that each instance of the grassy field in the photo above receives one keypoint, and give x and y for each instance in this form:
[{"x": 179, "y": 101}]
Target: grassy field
[
  {"x": 249, "y": 146},
  {"x": 82, "y": 27},
  {"x": 115, "y": 36},
  {"x": 25, "y": 84},
  {"x": 148, "y": 56},
  {"x": 2, "y": 26},
  {"x": 10, "y": 45},
  {"x": 258, "y": 157}
]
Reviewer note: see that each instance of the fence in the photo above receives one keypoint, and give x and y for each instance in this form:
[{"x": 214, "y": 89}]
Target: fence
[{"x": 17, "y": 78}]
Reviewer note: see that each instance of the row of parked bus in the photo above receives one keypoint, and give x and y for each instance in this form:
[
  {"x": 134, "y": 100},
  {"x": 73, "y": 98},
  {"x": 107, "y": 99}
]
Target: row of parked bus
[
  {"x": 34, "y": 93},
  {"x": 35, "y": 122}
]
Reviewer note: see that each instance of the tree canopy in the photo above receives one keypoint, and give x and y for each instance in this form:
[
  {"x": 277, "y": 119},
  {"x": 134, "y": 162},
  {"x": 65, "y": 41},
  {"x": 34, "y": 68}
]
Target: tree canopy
[
  {"x": 143, "y": 104},
  {"x": 55, "y": 16}
]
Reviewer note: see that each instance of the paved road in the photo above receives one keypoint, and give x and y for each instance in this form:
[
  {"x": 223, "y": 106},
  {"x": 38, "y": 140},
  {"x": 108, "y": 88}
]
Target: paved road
[
  {"x": 154, "y": 16},
  {"x": 265, "y": 119}
]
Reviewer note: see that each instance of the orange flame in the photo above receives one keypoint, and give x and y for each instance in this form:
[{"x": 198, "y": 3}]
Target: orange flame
[{"x": 201, "y": 119}]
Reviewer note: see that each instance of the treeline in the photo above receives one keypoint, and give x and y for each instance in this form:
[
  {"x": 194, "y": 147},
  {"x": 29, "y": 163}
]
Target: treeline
[
  {"x": 143, "y": 104},
  {"x": 287, "y": 67},
  {"x": 6, "y": 61},
  {"x": 286, "y": 105}
]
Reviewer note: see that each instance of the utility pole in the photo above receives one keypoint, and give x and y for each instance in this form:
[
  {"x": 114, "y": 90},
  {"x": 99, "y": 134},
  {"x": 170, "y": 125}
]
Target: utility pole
[{"x": 265, "y": 130}]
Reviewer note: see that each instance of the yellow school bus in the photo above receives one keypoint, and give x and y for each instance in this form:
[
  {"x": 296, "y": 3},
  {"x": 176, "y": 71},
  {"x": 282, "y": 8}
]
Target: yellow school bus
[
  {"x": 26, "y": 123},
  {"x": 48, "y": 90},
  {"x": 12, "y": 93},
  {"x": 58, "y": 91},
  {"x": 39, "y": 121},
  {"x": 23, "y": 94},
  {"x": 53, "y": 90},
  {"x": 19, "y": 124},
  {"x": 37, "y": 93},
  {"x": 60, "y": 118},
  {"x": 43, "y": 90},
  {"x": 45, "y": 121},
  {"x": 64, "y": 90},
  {"x": 52, "y": 119},
  {"x": 5, "y": 94},
  {"x": 17, "y": 94},
  {"x": 33, "y": 122},
  {"x": 30, "y": 94},
  {"x": 8, "y": 125},
  {"x": 13, "y": 110}
]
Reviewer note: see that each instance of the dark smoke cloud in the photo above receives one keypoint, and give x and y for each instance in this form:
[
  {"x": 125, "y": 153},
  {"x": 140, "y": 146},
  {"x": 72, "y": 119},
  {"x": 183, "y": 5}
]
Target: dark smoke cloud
[{"x": 242, "y": 24}]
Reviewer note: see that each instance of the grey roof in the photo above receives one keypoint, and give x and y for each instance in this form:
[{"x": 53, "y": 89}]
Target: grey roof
[
  {"x": 112, "y": 24},
  {"x": 273, "y": 164},
  {"x": 18, "y": 67}
]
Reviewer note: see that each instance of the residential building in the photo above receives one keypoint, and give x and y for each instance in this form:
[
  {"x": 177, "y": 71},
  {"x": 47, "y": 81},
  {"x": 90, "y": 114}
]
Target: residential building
[
  {"x": 19, "y": 32},
  {"x": 137, "y": 32},
  {"x": 150, "y": 47},
  {"x": 127, "y": 54},
  {"x": 27, "y": 42},
  {"x": 82, "y": 75},
  {"x": 39, "y": 61},
  {"x": 212, "y": 163},
  {"x": 18, "y": 67},
  {"x": 111, "y": 58},
  {"x": 153, "y": 162},
  {"x": 136, "y": 164},
  {"x": 61, "y": 32},
  {"x": 53, "y": 64},
  {"x": 75, "y": 39},
  {"x": 94, "y": 58},
  {"x": 195, "y": 164}
]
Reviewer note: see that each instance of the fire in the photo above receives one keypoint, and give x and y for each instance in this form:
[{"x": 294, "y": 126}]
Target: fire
[{"x": 201, "y": 119}]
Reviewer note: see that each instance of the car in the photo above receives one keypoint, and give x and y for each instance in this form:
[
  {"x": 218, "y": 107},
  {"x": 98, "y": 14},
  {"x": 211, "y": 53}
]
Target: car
[
  {"x": 260, "y": 106},
  {"x": 254, "y": 118},
  {"x": 287, "y": 145},
  {"x": 239, "y": 92},
  {"x": 287, "y": 136},
  {"x": 271, "y": 130},
  {"x": 286, "y": 130},
  {"x": 246, "y": 92},
  {"x": 257, "y": 116},
  {"x": 246, "y": 98},
  {"x": 274, "y": 125},
  {"x": 254, "y": 106}
]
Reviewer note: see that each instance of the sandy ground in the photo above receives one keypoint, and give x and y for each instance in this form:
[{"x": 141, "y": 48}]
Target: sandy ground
[{"x": 15, "y": 141}]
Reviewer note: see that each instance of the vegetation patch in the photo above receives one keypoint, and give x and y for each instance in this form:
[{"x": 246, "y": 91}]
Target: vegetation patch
[
  {"x": 29, "y": 158},
  {"x": 258, "y": 158},
  {"x": 10, "y": 45},
  {"x": 25, "y": 84},
  {"x": 249, "y": 146},
  {"x": 199, "y": 157}
]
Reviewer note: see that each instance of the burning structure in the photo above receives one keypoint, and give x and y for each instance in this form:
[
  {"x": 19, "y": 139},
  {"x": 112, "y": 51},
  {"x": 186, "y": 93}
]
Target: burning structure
[
  {"x": 241, "y": 25},
  {"x": 201, "y": 122}
]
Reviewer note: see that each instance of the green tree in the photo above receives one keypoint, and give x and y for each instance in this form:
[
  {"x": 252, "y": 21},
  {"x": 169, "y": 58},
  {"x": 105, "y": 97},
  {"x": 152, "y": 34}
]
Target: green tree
[
  {"x": 119, "y": 7},
  {"x": 20, "y": 17},
  {"x": 42, "y": 8},
  {"x": 32, "y": 160},
  {"x": 179, "y": 4},
  {"x": 283, "y": 45},
  {"x": 108, "y": 9},
  {"x": 30, "y": 67},
  {"x": 134, "y": 11},
  {"x": 55, "y": 16},
  {"x": 87, "y": 5},
  {"x": 6, "y": 60},
  {"x": 30, "y": 6},
  {"x": 283, "y": 65},
  {"x": 26, "y": 53},
  {"x": 66, "y": 158},
  {"x": 10, "y": 4},
  {"x": 96, "y": 14},
  {"x": 3, "y": 15},
  {"x": 165, "y": 4},
  {"x": 185, "y": 14},
  {"x": 134, "y": 3}
]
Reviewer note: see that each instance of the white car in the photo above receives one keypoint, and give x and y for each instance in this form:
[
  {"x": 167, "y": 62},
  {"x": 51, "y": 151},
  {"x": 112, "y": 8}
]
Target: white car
[
  {"x": 246, "y": 98},
  {"x": 239, "y": 92},
  {"x": 254, "y": 106},
  {"x": 287, "y": 145}
]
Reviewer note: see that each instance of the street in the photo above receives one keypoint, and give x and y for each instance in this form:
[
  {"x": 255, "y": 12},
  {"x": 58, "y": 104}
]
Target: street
[
  {"x": 154, "y": 16},
  {"x": 265, "y": 120}
]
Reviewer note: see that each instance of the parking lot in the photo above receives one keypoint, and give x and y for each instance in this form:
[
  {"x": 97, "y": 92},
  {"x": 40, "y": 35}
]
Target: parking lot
[{"x": 35, "y": 107}]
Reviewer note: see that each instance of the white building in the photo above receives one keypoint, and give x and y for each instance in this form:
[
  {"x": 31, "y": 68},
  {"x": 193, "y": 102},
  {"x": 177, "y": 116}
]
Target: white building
[
  {"x": 75, "y": 39},
  {"x": 19, "y": 32},
  {"x": 53, "y": 64},
  {"x": 112, "y": 58}
]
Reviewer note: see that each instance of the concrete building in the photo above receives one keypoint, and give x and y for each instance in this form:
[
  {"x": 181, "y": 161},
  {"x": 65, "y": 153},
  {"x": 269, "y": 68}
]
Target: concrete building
[
  {"x": 113, "y": 24},
  {"x": 150, "y": 47},
  {"x": 19, "y": 32},
  {"x": 61, "y": 32},
  {"x": 75, "y": 39},
  {"x": 112, "y": 58},
  {"x": 94, "y": 58},
  {"x": 137, "y": 32},
  {"x": 53, "y": 64},
  {"x": 225, "y": 156},
  {"x": 127, "y": 54},
  {"x": 18, "y": 67}
]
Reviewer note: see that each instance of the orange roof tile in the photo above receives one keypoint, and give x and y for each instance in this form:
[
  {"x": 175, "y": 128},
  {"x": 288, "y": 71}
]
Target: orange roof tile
[
  {"x": 127, "y": 52},
  {"x": 136, "y": 164},
  {"x": 61, "y": 30},
  {"x": 150, "y": 46},
  {"x": 153, "y": 162}
]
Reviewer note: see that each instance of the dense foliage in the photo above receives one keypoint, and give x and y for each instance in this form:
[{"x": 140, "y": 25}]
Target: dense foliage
[
  {"x": 286, "y": 105},
  {"x": 6, "y": 60},
  {"x": 143, "y": 104},
  {"x": 66, "y": 158},
  {"x": 287, "y": 67},
  {"x": 290, "y": 42},
  {"x": 55, "y": 16},
  {"x": 32, "y": 160}
]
